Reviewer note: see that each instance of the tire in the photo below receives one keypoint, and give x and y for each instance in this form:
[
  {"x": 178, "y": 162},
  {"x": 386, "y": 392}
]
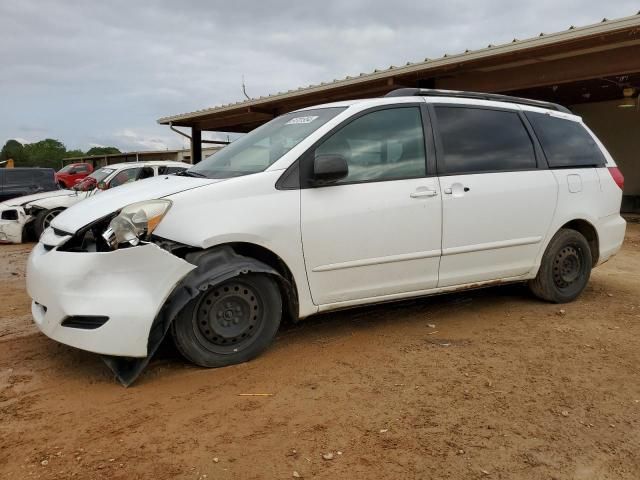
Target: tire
[
  {"x": 565, "y": 268},
  {"x": 229, "y": 323},
  {"x": 43, "y": 219},
  {"x": 62, "y": 185}
]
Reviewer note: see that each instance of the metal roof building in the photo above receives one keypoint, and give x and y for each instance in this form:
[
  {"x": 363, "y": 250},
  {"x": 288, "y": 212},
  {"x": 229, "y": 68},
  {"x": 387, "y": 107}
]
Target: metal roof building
[
  {"x": 590, "y": 69},
  {"x": 138, "y": 156}
]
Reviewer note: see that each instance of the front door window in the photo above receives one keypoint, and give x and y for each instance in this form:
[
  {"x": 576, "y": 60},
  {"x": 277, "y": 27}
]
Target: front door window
[{"x": 381, "y": 145}]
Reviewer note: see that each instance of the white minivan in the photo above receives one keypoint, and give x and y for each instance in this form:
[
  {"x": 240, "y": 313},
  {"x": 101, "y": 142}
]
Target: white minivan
[{"x": 333, "y": 206}]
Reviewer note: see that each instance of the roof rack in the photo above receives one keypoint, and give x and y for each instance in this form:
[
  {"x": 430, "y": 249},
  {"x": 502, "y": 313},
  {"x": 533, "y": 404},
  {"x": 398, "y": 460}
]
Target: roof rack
[{"x": 428, "y": 92}]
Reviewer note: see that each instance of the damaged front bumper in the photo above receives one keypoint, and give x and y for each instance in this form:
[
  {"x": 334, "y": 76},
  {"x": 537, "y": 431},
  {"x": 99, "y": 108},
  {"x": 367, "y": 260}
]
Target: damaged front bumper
[
  {"x": 13, "y": 220},
  {"x": 102, "y": 302}
]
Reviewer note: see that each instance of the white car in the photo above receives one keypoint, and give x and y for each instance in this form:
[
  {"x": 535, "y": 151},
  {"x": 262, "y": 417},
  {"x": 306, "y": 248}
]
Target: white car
[
  {"x": 350, "y": 203},
  {"x": 36, "y": 211}
]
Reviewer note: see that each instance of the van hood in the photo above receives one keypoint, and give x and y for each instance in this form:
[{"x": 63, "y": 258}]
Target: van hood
[
  {"x": 110, "y": 201},
  {"x": 21, "y": 201}
]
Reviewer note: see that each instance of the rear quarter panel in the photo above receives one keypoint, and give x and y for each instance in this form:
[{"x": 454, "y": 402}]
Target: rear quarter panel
[{"x": 586, "y": 194}]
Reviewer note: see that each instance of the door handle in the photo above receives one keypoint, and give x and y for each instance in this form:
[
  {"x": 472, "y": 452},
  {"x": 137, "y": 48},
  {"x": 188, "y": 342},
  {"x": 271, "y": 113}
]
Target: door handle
[{"x": 423, "y": 192}]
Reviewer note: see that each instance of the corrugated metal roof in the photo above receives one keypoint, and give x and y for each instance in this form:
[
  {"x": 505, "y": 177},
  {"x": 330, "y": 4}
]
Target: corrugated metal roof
[
  {"x": 572, "y": 33},
  {"x": 134, "y": 153}
]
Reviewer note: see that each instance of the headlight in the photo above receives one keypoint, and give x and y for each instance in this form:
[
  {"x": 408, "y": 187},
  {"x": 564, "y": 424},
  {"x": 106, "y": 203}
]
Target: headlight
[{"x": 135, "y": 222}]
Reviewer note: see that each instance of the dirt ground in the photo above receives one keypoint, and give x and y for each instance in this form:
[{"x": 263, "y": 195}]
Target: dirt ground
[{"x": 487, "y": 384}]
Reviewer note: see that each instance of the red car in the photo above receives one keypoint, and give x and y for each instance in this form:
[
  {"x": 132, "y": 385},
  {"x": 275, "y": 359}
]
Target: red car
[{"x": 69, "y": 175}]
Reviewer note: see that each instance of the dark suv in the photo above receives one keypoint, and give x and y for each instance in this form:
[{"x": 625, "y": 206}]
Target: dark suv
[{"x": 16, "y": 182}]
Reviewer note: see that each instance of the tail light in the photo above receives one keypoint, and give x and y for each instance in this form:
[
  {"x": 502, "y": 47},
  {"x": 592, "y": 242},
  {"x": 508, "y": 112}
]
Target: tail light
[{"x": 617, "y": 176}]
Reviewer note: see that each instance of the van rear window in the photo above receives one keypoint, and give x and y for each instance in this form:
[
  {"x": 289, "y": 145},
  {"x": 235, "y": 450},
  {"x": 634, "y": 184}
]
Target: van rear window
[{"x": 566, "y": 143}]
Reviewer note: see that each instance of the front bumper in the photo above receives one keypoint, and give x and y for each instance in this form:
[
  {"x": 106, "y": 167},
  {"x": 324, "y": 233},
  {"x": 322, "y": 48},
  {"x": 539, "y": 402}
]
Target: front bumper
[
  {"x": 129, "y": 286},
  {"x": 11, "y": 229}
]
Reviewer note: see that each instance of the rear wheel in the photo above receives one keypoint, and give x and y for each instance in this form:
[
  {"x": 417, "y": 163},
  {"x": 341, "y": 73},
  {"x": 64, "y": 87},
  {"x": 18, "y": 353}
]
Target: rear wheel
[
  {"x": 43, "y": 220},
  {"x": 565, "y": 268},
  {"x": 229, "y": 323}
]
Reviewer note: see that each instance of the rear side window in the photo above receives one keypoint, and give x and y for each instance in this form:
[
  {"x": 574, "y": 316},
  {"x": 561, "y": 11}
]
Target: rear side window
[
  {"x": 476, "y": 140},
  {"x": 164, "y": 170},
  {"x": 19, "y": 178},
  {"x": 565, "y": 143},
  {"x": 43, "y": 176}
]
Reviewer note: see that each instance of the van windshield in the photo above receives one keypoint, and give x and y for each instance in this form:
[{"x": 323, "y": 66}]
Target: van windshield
[{"x": 259, "y": 149}]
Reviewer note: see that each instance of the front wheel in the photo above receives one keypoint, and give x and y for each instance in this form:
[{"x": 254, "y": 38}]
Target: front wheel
[
  {"x": 43, "y": 220},
  {"x": 229, "y": 323},
  {"x": 565, "y": 268}
]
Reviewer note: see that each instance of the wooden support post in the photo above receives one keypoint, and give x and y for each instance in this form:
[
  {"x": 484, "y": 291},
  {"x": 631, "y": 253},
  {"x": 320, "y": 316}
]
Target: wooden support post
[{"x": 196, "y": 145}]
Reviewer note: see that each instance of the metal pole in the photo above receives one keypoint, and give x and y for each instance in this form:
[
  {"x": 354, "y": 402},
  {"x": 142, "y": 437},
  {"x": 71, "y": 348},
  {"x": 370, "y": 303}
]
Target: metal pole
[{"x": 196, "y": 145}]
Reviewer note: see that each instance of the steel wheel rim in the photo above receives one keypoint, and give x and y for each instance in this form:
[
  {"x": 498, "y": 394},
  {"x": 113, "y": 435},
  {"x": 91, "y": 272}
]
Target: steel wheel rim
[
  {"x": 228, "y": 317},
  {"x": 567, "y": 266}
]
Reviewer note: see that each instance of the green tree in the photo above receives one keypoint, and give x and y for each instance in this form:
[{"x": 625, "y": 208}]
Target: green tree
[
  {"x": 102, "y": 151},
  {"x": 74, "y": 153},
  {"x": 13, "y": 149},
  {"x": 45, "y": 153}
]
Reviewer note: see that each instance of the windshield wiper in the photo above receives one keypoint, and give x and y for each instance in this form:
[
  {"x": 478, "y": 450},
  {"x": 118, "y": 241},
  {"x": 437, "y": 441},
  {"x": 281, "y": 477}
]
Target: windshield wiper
[{"x": 189, "y": 173}]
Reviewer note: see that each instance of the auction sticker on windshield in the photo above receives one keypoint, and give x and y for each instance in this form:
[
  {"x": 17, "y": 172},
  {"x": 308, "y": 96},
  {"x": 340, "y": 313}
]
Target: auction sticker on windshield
[{"x": 299, "y": 120}]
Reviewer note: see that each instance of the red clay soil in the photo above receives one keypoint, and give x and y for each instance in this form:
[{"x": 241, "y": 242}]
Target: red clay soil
[{"x": 486, "y": 384}]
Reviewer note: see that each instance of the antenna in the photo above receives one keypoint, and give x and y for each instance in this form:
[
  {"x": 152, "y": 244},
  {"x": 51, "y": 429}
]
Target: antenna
[{"x": 244, "y": 88}]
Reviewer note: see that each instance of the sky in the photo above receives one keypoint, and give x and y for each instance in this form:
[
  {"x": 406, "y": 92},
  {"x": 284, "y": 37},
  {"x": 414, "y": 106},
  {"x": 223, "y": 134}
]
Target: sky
[{"x": 100, "y": 73}]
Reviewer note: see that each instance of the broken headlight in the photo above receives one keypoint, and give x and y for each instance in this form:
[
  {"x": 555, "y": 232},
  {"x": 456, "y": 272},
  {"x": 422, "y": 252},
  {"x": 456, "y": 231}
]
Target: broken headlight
[{"x": 135, "y": 223}]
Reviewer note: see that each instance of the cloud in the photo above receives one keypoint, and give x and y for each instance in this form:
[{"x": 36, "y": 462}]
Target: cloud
[
  {"x": 103, "y": 72},
  {"x": 137, "y": 139}
]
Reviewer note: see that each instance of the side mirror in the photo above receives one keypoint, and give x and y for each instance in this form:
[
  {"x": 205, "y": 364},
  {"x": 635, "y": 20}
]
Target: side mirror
[
  {"x": 329, "y": 169},
  {"x": 102, "y": 186}
]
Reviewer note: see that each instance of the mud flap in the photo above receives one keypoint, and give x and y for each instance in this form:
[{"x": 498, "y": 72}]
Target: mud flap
[{"x": 213, "y": 268}]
